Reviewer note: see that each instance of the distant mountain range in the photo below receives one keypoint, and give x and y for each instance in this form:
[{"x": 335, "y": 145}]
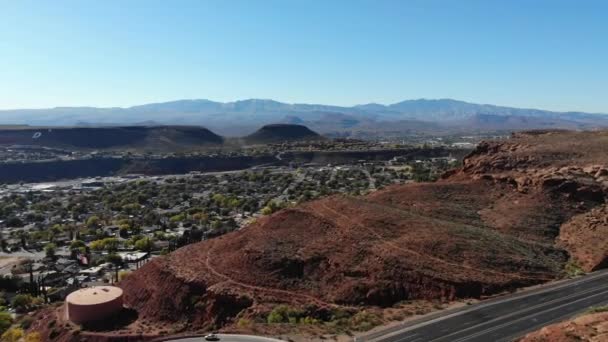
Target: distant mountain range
[{"x": 243, "y": 117}]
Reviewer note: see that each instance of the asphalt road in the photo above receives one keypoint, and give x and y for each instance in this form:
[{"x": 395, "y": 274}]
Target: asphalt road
[
  {"x": 229, "y": 338},
  {"x": 505, "y": 318}
]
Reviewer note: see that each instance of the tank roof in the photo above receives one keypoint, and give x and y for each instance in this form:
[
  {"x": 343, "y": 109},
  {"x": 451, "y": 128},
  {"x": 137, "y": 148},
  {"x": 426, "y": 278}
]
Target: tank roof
[{"x": 94, "y": 295}]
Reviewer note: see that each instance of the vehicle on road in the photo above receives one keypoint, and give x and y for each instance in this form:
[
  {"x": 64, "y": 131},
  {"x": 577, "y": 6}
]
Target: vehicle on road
[{"x": 212, "y": 337}]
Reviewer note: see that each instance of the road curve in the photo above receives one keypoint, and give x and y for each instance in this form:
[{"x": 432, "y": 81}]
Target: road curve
[
  {"x": 505, "y": 318},
  {"x": 228, "y": 338}
]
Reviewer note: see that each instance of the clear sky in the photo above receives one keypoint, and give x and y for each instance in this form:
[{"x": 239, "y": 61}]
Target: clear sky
[{"x": 548, "y": 54}]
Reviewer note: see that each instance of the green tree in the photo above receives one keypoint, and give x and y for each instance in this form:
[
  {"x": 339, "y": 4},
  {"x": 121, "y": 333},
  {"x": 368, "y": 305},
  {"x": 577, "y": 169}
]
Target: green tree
[
  {"x": 218, "y": 198},
  {"x": 123, "y": 231},
  {"x": 97, "y": 245},
  {"x": 267, "y": 210},
  {"x": 144, "y": 244},
  {"x": 77, "y": 244},
  {"x": 57, "y": 229},
  {"x": 22, "y": 302},
  {"x": 50, "y": 249},
  {"x": 234, "y": 203},
  {"x": 178, "y": 217},
  {"x": 200, "y": 217},
  {"x": 115, "y": 259},
  {"x": 93, "y": 221},
  {"x": 14, "y": 222},
  {"x": 111, "y": 244},
  {"x": 216, "y": 224}
]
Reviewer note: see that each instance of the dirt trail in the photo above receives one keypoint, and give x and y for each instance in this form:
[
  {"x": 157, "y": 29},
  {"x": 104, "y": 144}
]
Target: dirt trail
[
  {"x": 425, "y": 256},
  {"x": 264, "y": 289}
]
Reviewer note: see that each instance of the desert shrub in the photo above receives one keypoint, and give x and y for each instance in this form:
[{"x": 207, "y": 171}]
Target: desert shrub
[
  {"x": 13, "y": 334},
  {"x": 285, "y": 314},
  {"x": 339, "y": 320},
  {"x": 597, "y": 309},
  {"x": 5, "y": 321},
  {"x": 244, "y": 323},
  {"x": 53, "y": 334},
  {"x": 309, "y": 320},
  {"x": 275, "y": 317},
  {"x": 26, "y": 322},
  {"x": 337, "y": 314},
  {"x": 363, "y": 321},
  {"x": 123, "y": 274},
  {"x": 343, "y": 321},
  {"x": 572, "y": 269},
  {"x": 23, "y": 302},
  {"x": 33, "y": 337}
]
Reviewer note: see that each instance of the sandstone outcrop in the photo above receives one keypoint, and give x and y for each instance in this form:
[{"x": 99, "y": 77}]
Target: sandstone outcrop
[{"x": 513, "y": 215}]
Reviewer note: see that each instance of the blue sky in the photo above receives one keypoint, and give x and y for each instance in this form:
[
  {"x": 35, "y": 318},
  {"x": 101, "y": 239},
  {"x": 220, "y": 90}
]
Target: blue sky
[{"x": 541, "y": 53}]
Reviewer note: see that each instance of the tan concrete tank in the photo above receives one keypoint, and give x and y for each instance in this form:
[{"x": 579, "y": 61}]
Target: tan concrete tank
[{"x": 93, "y": 303}]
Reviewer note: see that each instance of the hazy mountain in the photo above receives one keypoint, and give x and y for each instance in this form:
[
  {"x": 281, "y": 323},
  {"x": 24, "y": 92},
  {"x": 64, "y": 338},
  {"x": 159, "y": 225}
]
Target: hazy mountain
[{"x": 243, "y": 117}]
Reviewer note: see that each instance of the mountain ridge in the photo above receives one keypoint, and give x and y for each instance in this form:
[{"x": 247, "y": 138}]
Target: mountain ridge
[
  {"x": 374, "y": 105},
  {"x": 244, "y": 116}
]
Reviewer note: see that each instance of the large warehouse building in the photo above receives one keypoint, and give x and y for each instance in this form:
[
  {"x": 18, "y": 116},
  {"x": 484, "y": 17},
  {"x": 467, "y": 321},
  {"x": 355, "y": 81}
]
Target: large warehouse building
[{"x": 93, "y": 303}]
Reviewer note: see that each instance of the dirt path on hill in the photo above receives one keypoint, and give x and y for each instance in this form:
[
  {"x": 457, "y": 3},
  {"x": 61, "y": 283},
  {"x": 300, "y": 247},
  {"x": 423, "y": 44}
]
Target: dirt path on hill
[
  {"x": 265, "y": 289},
  {"x": 410, "y": 251}
]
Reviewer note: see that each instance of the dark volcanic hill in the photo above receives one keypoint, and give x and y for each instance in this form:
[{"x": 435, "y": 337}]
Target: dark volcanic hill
[
  {"x": 515, "y": 214},
  {"x": 165, "y": 138},
  {"x": 277, "y": 133}
]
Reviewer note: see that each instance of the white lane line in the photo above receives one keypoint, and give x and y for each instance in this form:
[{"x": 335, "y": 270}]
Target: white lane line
[
  {"x": 518, "y": 312},
  {"x": 546, "y": 323},
  {"x": 526, "y": 317},
  {"x": 407, "y": 337},
  {"x": 534, "y": 292}
]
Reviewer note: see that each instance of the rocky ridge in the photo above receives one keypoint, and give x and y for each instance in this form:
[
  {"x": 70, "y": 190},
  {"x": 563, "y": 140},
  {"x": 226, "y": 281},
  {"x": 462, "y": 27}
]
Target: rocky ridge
[{"x": 515, "y": 214}]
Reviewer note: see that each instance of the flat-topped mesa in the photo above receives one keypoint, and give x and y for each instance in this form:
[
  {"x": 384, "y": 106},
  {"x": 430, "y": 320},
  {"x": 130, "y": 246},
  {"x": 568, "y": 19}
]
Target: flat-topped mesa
[{"x": 160, "y": 138}]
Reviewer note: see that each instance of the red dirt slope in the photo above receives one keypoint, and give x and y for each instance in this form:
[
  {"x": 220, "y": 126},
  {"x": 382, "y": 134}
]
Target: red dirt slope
[
  {"x": 485, "y": 228},
  {"x": 488, "y": 227}
]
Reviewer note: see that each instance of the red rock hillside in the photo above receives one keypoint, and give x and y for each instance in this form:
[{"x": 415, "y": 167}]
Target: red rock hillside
[{"x": 511, "y": 216}]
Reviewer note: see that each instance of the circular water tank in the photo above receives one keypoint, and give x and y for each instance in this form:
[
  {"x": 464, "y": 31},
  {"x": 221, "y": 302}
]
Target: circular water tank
[{"x": 93, "y": 303}]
